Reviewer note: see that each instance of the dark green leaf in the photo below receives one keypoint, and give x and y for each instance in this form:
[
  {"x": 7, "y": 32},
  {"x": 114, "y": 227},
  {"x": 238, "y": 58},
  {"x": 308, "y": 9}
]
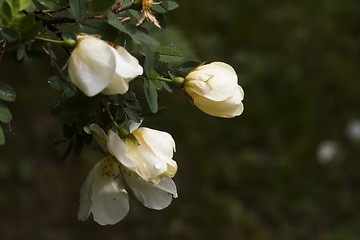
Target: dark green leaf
[
  {"x": 79, "y": 8},
  {"x": 169, "y": 5},
  {"x": 58, "y": 142},
  {"x": 68, "y": 150},
  {"x": 135, "y": 32},
  {"x": 151, "y": 95},
  {"x": 149, "y": 61},
  {"x": 18, "y": 5},
  {"x": 5, "y": 14},
  {"x": 99, "y": 6},
  {"x": 2, "y": 137},
  {"x": 132, "y": 104},
  {"x": 82, "y": 106},
  {"x": 133, "y": 115},
  {"x": 53, "y": 4},
  {"x": 20, "y": 53},
  {"x": 166, "y": 86},
  {"x": 130, "y": 95},
  {"x": 7, "y": 93},
  {"x": 120, "y": 113},
  {"x": 10, "y": 34},
  {"x": 158, "y": 8},
  {"x": 5, "y": 114},
  {"x": 169, "y": 54},
  {"x": 56, "y": 83},
  {"x": 56, "y": 106},
  {"x": 100, "y": 27},
  {"x": 68, "y": 131}
]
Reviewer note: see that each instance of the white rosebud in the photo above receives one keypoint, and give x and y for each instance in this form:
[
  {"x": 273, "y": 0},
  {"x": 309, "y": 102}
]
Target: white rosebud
[
  {"x": 95, "y": 66},
  {"x": 214, "y": 89}
]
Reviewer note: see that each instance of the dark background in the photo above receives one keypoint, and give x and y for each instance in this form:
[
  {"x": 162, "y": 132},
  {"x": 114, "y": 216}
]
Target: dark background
[{"x": 258, "y": 176}]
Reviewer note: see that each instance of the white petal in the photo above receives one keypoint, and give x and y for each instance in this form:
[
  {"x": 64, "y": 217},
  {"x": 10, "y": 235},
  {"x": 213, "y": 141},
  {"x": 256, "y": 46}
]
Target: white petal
[
  {"x": 223, "y": 83},
  {"x": 98, "y": 133},
  {"x": 110, "y": 199},
  {"x": 134, "y": 125},
  {"x": 149, "y": 166},
  {"x": 162, "y": 145},
  {"x": 127, "y": 68},
  {"x": 229, "y": 108},
  {"x": 154, "y": 196},
  {"x": 91, "y": 65},
  {"x": 117, "y": 148},
  {"x": 86, "y": 192}
]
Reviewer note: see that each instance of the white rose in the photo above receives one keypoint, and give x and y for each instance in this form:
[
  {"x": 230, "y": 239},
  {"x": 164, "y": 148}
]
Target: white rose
[
  {"x": 95, "y": 66},
  {"x": 103, "y": 193},
  {"x": 214, "y": 89}
]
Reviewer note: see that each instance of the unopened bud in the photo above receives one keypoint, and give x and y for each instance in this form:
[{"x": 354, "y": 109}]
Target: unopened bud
[{"x": 69, "y": 43}]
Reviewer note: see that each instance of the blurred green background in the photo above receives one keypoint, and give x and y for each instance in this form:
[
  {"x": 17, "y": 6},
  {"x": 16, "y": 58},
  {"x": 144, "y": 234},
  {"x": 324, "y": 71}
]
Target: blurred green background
[{"x": 287, "y": 168}]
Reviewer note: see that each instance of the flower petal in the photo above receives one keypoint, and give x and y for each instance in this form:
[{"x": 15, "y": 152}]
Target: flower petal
[
  {"x": 86, "y": 192},
  {"x": 222, "y": 80},
  {"x": 98, "y": 133},
  {"x": 91, "y": 65},
  {"x": 127, "y": 68},
  {"x": 110, "y": 199},
  {"x": 117, "y": 148},
  {"x": 228, "y": 108},
  {"x": 154, "y": 196}
]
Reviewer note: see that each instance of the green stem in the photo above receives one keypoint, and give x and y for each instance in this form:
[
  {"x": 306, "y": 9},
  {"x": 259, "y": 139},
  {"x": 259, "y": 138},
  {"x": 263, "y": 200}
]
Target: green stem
[
  {"x": 178, "y": 81},
  {"x": 123, "y": 133},
  {"x": 49, "y": 40},
  {"x": 164, "y": 79}
]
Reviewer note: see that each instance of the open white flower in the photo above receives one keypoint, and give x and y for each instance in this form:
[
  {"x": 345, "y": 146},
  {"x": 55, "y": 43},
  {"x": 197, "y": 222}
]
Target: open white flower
[
  {"x": 214, "y": 89},
  {"x": 95, "y": 66},
  {"x": 103, "y": 193}
]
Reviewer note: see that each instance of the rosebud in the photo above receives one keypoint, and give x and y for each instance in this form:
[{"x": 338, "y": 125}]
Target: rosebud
[
  {"x": 214, "y": 89},
  {"x": 95, "y": 67}
]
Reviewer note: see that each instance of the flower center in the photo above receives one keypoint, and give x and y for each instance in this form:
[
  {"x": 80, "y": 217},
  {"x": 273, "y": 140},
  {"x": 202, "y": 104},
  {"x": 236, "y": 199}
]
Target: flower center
[{"x": 111, "y": 167}]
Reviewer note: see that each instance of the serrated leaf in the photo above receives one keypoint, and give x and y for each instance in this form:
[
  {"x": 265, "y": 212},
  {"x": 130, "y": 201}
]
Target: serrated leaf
[
  {"x": 158, "y": 8},
  {"x": 132, "y": 104},
  {"x": 5, "y": 114},
  {"x": 56, "y": 106},
  {"x": 82, "y": 106},
  {"x": 133, "y": 115},
  {"x": 169, "y": 54},
  {"x": 56, "y": 83},
  {"x": 120, "y": 113},
  {"x": 79, "y": 8},
  {"x": 2, "y": 137},
  {"x": 149, "y": 61},
  {"x": 151, "y": 95},
  {"x": 53, "y": 4},
  {"x": 7, "y": 93},
  {"x": 133, "y": 31},
  {"x": 99, "y": 6},
  {"x": 18, "y": 5}
]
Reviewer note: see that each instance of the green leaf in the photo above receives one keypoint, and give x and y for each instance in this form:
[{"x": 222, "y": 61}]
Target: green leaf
[
  {"x": 56, "y": 106},
  {"x": 133, "y": 31},
  {"x": 99, "y": 6},
  {"x": 158, "y": 8},
  {"x": 169, "y": 54},
  {"x": 18, "y": 5},
  {"x": 82, "y": 106},
  {"x": 20, "y": 53},
  {"x": 166, "y": 86},
  {"x": 10, "y": 34},
  {"x": 5, "y": 114},
  {"x": 53, "y": 4},
  {"x": 2, "y": 137},
  {"x": 5, "y": 14},
  {"x": 56, "y": 83},
  {"x": 79, "y": 8},
  {"x": 132, "y": 104},
  {"x": 99, "y": 27},
  {"x": 7, "y": 93},
  {"x": 149, "y": 61},
  {"x": 133, "y": 115},
  {"x": 169, "y": 5},
  {"x": 151, "y": 95}
]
